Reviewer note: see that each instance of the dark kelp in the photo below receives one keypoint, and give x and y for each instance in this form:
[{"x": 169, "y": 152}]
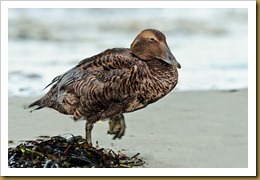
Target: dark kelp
[{"x": 73, "y": 152}]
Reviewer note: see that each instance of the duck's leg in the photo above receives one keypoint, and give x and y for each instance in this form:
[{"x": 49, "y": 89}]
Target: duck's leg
[
  {"x": 88, "y": 128},
  {"x": 117, "y": 126}
]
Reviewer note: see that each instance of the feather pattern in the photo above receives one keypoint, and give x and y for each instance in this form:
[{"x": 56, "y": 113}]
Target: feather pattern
[{"x": 116, "y": 81}]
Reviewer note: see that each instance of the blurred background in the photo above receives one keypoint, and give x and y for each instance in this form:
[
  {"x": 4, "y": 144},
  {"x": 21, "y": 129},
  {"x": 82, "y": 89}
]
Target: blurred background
[{"x": 210, "y": 44}]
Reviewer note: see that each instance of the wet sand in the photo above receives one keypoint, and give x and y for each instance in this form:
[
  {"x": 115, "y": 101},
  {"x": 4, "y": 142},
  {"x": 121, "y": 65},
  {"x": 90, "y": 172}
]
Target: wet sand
[{"x": 193, "y": 129}]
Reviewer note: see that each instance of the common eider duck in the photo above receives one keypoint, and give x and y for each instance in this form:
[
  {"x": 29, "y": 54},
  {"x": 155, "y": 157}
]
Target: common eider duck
[{"x": 114, "y": 82}]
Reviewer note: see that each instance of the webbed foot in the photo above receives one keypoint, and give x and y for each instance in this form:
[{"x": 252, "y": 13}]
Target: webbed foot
[{"x": 117, "y": 126}]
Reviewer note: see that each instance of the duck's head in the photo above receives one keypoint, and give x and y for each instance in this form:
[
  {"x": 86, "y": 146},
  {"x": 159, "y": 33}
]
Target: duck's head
[{"x": 151, "y": 44}]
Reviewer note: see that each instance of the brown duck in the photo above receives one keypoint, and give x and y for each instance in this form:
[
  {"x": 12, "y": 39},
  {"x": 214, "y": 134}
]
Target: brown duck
[{"x": 114, "y": 82}]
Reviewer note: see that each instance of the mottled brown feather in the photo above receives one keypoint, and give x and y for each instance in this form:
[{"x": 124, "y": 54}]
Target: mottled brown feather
[{"x": 115, "y": 81}]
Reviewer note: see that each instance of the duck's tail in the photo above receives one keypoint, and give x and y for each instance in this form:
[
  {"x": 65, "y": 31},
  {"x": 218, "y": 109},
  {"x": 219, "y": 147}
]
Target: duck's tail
[{"x": 38, "y": 103}]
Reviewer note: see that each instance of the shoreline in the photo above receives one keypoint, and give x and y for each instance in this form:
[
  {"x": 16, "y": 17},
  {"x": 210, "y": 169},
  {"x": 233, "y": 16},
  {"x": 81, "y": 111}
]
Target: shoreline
[{"x": 185, "y": 129}]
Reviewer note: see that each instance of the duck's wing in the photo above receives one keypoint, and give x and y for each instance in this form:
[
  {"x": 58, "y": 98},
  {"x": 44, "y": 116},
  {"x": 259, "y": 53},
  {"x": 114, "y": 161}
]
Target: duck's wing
[
  {"x": 106, "y": 86},
  {"x": 108, "y": 64},
  {"x": 98, "y": 87}
]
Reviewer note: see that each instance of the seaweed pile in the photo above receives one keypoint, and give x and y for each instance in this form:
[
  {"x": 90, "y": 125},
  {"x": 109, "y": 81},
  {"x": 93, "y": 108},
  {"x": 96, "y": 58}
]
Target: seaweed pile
[{"x": 72, "y": 152}]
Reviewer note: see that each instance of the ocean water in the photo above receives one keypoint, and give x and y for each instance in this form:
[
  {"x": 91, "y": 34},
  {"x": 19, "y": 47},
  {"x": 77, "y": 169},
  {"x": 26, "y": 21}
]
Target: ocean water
[{"x": 210, "y": 44}]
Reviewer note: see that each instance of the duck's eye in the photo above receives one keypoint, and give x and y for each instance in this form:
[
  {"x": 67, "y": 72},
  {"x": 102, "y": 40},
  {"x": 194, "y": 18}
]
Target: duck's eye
[{"x": 152, "y": 39}]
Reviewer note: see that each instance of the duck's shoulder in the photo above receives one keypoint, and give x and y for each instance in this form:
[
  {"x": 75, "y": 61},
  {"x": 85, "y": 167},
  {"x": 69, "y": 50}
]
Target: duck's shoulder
[{"x": 115, "y": 57}]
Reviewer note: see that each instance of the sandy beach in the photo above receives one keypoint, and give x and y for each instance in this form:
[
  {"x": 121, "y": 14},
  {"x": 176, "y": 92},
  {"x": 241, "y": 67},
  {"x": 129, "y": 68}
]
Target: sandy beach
[{"x": 190, "y": 129}]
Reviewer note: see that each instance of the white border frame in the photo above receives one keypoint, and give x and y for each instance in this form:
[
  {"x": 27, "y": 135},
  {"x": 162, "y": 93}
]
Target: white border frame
[{"x": 250, "y": 171}]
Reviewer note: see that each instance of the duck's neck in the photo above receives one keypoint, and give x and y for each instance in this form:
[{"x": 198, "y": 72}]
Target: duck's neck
[
  {"x": 164, "y": 77},
  {"x": 162, "y": 70}
]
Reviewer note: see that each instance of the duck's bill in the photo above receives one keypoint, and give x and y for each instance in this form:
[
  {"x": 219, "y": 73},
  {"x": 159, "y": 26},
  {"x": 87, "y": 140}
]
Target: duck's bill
[
  {"x": 170, "y": 59},
  {"x": 173, "y": 61}
]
